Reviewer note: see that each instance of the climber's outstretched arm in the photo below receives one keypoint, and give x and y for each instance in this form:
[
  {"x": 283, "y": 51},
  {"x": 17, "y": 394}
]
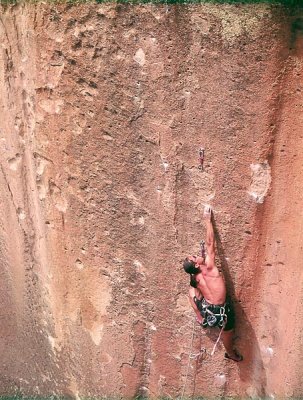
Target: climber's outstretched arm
[{"x": 210, "y": 237}]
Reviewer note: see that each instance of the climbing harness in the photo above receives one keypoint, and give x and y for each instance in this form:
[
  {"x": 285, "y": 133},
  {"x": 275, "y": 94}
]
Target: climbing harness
[
  {"x": 201, "y": 158},
  {"x": 213, "y": 315}
]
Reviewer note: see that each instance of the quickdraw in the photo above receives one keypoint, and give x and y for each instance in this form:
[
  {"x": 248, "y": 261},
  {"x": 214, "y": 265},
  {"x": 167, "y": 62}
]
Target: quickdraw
[
  {"x": 203, "y": 250},
  {"x": 201, "y": 158}
]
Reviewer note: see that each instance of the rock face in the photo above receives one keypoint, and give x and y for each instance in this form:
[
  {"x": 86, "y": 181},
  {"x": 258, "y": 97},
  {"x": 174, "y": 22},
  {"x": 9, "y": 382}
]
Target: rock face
[{"x": 103, "y": 111}]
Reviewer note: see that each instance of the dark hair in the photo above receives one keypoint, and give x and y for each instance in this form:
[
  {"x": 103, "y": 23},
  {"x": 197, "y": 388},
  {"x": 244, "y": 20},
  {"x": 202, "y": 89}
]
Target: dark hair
[
  {"x": 190, "y": 267},
  {"x": 193, "y": 282}
]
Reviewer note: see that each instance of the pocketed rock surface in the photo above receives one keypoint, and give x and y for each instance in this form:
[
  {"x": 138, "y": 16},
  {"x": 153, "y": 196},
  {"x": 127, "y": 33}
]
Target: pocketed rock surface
[{"x": 104, "y": 108}]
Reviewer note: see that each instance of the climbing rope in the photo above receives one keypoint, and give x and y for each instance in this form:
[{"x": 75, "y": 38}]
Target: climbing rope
[
  {"x": 203, "y": 351},
  {"x": 191, "y": 356},
  {"x": 218, "y": 340}
]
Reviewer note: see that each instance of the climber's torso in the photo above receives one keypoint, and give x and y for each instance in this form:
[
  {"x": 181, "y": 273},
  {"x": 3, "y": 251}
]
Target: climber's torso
[{"x": 210, "y": 283}]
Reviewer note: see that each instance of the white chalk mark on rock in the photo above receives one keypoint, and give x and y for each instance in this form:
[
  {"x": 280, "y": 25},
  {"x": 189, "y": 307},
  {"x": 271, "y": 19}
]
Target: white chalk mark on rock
[
  {"x": 52, "y": 341},
  {"x": 52, "y": 106},
  {"x": 267, "y": 353},
  {"x": 14, "y": 162},
  {"x": 138, "y": 265},
  {"x": 165, "y": 164},
  {"x": 42, "y": 190},
  {"x": 140, "y": 268},
  {"x": 41, "y": 164},
  {"x": 261, "y": 180},
  {"x": 152, "y": 327},
  {"x": 220, "y": 379},
  {"x": 21, "y": 213},
  {"x": 96, "y": 334},
  {"x": 252, "y": 392},
  {"x": 79, "y": 264},
  {"x": 141, "y": 220},
  {"x": 139, "y": 57}
]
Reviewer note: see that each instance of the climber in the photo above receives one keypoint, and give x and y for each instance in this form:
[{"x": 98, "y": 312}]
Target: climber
[{"x": 207, "y": 293}]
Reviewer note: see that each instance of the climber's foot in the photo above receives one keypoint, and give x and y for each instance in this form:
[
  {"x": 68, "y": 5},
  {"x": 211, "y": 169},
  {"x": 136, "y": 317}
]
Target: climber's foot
[{"x": 235, "y": 356}]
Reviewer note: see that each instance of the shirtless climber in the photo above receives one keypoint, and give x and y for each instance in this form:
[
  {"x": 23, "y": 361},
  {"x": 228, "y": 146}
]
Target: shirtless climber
[{"x": 207, "y": 293}]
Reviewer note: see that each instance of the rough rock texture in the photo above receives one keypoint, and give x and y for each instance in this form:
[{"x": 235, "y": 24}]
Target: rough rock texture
[{"x": 103, "y": 111}]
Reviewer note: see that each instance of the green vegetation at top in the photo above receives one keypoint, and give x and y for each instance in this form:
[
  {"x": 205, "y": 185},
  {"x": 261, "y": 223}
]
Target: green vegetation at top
[
  {"x": 20, "y": 397},
  {"x": 283, "y": 2},
  {"x": 286, "y": 3}
]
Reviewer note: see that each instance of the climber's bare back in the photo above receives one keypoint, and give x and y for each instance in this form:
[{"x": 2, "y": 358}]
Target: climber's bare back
[
  {"x": 211, "y": 284},
  {"x": 210, "y": 281}
]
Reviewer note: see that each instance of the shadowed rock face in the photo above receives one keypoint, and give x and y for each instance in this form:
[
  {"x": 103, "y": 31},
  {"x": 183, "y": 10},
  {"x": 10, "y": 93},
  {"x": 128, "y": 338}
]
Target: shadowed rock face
[{"x": 103, "y": 111}]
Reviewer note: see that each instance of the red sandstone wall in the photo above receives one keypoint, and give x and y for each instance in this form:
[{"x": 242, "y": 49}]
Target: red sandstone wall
[{"x": 103, "y": 110}]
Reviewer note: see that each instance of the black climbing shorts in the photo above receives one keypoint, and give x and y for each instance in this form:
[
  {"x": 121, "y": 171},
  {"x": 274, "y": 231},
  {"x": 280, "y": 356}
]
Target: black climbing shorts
[
  {"x": 229, "y": 311},
  {"x": 209, "y": 320}
]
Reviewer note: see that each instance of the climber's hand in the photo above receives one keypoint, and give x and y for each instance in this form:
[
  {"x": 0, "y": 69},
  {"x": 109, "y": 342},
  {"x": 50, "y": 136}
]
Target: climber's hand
[{"x": 207, "y": 213}]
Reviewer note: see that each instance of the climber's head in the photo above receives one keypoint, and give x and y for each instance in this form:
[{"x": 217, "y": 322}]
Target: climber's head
[{"x": 189, "y": 265}]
